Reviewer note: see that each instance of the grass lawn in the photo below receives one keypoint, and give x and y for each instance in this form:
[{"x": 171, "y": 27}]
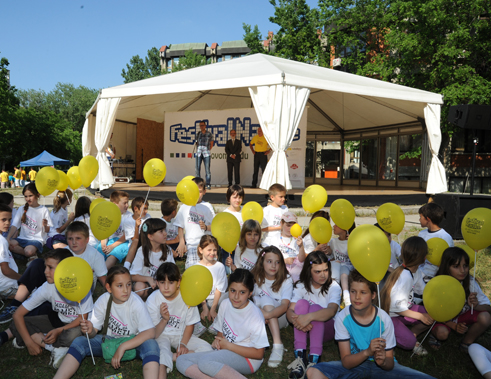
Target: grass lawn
[{"x": 446, "y": 363}]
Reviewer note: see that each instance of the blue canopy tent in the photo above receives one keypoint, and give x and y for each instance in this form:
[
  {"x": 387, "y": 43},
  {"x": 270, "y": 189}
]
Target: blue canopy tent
[{"x": 44, "y": 159}]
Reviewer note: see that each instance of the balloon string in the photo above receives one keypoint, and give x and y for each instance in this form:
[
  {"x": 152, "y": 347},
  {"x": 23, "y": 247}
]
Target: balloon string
[
  {"x": 87, "y": 334},
  {"x": 380, "y": 307},
  {"x": 143, "y": 206},
  {"x": 473, "y": 283},
  {"x": 142, "y": 289},
  {"x": 421, "y": 343},
  {"x": 182, "y": 330}
]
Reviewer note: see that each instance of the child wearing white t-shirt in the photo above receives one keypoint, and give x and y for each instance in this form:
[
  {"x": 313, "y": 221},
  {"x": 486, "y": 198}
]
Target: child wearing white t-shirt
[
  {"x": 235, "y": 196},
  {"x": 82, "y": 214},
  {"x": 169, "y": 212},
  {"x": 9, "y": 272},
  {"x": 173, "y": 319},
  {"x": 128, "y": 316},
  {"x": 249, "y": 247},
  {"x": 234, "y": 334},
  {"x": 61, "y": 219},
  {"x": 272, "y": 294},
  {"x": 152, "y": 253},
  {"x": 273, "y": 212},
  {"x": 7, "y": 198},
  {"x": 309, "y": 244},
  {"x": 132, "y": 226}
]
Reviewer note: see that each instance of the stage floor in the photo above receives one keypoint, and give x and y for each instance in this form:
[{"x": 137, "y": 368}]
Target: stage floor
[{"x": 358, "y": 195}]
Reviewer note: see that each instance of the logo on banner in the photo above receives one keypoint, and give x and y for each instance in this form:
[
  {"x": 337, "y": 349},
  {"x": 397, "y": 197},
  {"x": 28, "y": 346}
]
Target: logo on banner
[{"x": 294, "y": 166}]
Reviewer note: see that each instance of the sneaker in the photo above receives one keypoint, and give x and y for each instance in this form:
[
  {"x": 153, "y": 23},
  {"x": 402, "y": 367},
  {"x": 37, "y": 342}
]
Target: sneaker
[
  {"x": 57, "y": 356},
  {"x": 208, "y": 187},
  {"x": 212, "y": 330},
  {"x": 276, "y": 356},
  {"x": 297, "y": 369},
  {"x": 311, "y": 362},
  {"x": 16, "y": 345},
  {"x": 199, "y": 329},
  {"x": 419, "y": 350},
  {"x": 6, "y": 315}
]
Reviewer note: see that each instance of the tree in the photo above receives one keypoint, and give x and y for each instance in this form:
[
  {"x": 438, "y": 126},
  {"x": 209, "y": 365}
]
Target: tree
[
  {"x": 139, "y": 69},
  {"x": 253, "y": 39},
  {"x": 190, "y": 60}
]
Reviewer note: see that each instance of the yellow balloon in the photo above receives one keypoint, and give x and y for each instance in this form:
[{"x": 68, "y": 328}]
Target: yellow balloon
[
  {"x": 154, "y": 172},
  {"x": 252, "y": 211},
  {"x": 296, "y": 230},
  {"x": 391, "y": 218},
  {"x": 187, "y": 192},
  {"x": 369, "y": 252},
  {"x": 189, "y": 177},
  {"x": 73, "y": 278},
  {"x": 436, "y": 247},
  {"x": 105, "y": 220},
  {"x": 63, "y": 181},
  {"x": 314, "y": 198},
  {"x": 342, "y": 213},
  {"x": 196, "y": 285},
  {"x": 226, "y": 229},
  {"x": 47, "y": 180},
  {"x": 94, "y": 203},
  {"x": 320, "y": 229},
  {"x": 476, "y": 228},
  {"x": 444, "y": 298},
  {"x": 74, "y": 178},
  {"x": 88, "y": 167},
  {"x": 471, "y": 253}
]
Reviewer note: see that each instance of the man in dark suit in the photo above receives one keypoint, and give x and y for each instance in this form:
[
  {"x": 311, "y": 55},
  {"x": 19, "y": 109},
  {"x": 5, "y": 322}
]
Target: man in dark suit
[{"x": 233, "y": 148}]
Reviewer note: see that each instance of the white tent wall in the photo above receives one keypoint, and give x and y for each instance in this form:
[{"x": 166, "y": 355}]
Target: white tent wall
[
  {"x": 123, "y": 139},
  {"x": 340, "y": 103}
]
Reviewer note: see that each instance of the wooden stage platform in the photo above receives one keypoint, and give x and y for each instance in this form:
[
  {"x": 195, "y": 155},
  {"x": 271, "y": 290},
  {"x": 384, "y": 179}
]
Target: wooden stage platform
[{"x": 358, "y": 195}]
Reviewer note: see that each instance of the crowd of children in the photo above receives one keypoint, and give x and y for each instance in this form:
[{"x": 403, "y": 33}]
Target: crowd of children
[{"x": 275, "y": 281}]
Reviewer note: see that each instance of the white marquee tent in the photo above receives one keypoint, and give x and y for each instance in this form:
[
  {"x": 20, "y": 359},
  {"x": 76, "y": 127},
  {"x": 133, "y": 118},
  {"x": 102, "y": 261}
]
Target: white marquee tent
[{"x": 279, "y": 90}]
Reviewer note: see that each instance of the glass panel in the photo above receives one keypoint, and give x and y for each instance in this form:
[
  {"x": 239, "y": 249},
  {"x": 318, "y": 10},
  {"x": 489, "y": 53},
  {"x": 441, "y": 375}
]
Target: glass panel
[
  {"x": 309, "y": 159},
  {"x": 352, "y": 160},
  {"x": 486, "y": 186},
  {"x": 228, "y": 57},
  {"x": 369, "y": 159},
  {"x": 328, "y": 159},
  {"x": 388, "y": 158},
  {"x": 410, "y": 157}
]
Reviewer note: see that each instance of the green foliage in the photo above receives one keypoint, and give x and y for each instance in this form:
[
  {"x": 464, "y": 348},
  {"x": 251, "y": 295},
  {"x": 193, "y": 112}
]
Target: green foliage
[
  {"x": 253, "y": 39},
  {"x": 138, "y": 69},
  {"x": 189, "y": 60}
]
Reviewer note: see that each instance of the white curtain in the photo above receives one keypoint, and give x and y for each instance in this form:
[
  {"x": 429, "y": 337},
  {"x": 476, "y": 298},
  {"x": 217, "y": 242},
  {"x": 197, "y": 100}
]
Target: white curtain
[
  {"x": 88, "y": 136},
  {"x": 437, "y": 181},
  {"x": 279, "y": 109},
  {"x": 106, "y": 115}
]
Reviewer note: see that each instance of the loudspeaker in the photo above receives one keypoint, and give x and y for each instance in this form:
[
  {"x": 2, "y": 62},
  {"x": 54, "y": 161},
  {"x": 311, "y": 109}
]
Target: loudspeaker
[{"x": 470, "y": 116}]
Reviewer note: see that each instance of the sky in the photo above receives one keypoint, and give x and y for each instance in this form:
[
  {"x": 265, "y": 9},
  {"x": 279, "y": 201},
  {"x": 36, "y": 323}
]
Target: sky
[{"x": 89, "y": 42}]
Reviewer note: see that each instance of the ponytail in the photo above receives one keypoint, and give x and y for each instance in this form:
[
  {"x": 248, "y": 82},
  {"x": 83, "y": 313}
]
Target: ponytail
[{"x": 24, "y": 216}]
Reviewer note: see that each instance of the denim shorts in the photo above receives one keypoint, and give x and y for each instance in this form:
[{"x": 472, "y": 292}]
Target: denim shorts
[{"x": 23, "y": 243}]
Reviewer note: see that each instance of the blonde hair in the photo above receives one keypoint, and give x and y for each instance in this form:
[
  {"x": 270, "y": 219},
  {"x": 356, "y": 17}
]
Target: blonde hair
[{"x": 249, "y": 226}]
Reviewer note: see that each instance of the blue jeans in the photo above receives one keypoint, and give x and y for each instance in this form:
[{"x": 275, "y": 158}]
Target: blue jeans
[
  {"x": 367, "y": 370},
  {"x": 199, "y": 159},
  {"x": 148, "y": 351}
]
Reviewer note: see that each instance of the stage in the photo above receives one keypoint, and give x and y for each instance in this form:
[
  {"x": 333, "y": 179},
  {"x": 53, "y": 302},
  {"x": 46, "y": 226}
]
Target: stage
[{"x": 362, "y": 196}]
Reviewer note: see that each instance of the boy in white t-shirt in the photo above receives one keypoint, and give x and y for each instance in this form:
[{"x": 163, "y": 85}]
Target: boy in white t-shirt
[
  {"x": 131, "y": 227},
  {"x": 9, "y": 272},
  {"x": 194, "y": 221},
  {"x": 272, "y": 213},
  {"x": 115, "y": 248},
  {"x": 52, "y": 334},
  {"x": 169, "y": 212},
  {"x": 8, "y": 199},
  {"x": 78, "y": 237}
]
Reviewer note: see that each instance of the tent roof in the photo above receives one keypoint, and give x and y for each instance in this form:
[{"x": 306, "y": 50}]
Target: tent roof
[
  {"x": 339, "y": 102},
  {"x": 44, "y": 159}
]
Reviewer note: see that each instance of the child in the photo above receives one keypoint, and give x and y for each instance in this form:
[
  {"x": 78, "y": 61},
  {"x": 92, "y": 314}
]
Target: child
[
  {"x": 249, "y": 247},
  {"x": 152, "y": 253},
  {"x": 8, "y": 199},
  {"x": 207, "y": 251},
  {"x": 169, "y": 212},
  {"x": 196, "y": 222},
  {"x": 482, "y": 359},
  {"x": 273, "y": 212},
  {"x": 201, "y": 183},
  {"x": 308, "y": 242},
  {"x": 397, "y": 296},
  {"x": 128, "y": 316},
  {"x": 54, "y": 334},
  {"x": 395, "y": 254},
  {"x": 358, "y": 328},
  {"x": 470, "y": 323},
  {"x": 239, "y": 345},
  {"x": 291, "y": 247},
  {"x": 78, "y": 243},
  {"x": 61, "y": 220},
  {"x": 235, "y": 196},
  {"x": 430, "y": 216},
  {"x": 314, "y": 304},
  {"x": 272, "y": 294},
  {"x": 9, "y": 272},
  {"x": 170, "y": 315},
  {"x": 115, "y": 248},
  {"x": 341, "y": 265},
  {"x": 82, "y": 213},
  {"x": 34, "y": 222},
  {"x": 131, "y": 227}
]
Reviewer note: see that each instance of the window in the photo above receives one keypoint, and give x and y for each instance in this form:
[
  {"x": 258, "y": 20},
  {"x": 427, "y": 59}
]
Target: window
[
  {"x": 351, "y": 167},
  {"x": 328, "y": 159},
  {"x": 369, "y": 159},
  {"x": 388, "y": 158},
  {"x": 410, "y": 157}
]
